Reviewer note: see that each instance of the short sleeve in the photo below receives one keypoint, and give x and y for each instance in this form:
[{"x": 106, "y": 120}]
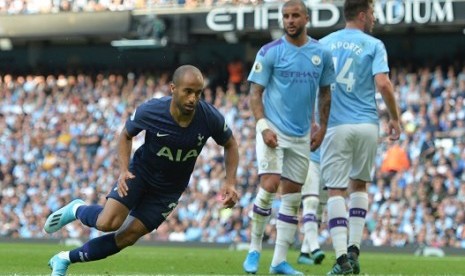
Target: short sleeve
[
  {"x": 220, "y": 130},
  {"x": 380, "y": 60},
  {"x": 328, "y": 75},
  {"x": 135, "y": 123},
  {"x": 262, "y": 68}
]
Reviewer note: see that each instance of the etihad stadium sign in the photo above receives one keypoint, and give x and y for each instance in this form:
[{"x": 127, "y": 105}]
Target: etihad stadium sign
[{"x": 327, "y": 15}]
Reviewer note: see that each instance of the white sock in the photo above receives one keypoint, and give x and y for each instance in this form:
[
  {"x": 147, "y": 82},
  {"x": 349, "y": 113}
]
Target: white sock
[
  {"x": 260, "y": 216},
  {"x": 286, "y": 226},
  {"x": 64, "y": 255},
  {"x": 305, "y": 248},
  {"x": 321, "y": 214},
  {"x": 357, "y": 213},
  {"x": 75, "y": 207},
  {"x": 310, "y": 206},
  {"x": 337, "y": 222}
]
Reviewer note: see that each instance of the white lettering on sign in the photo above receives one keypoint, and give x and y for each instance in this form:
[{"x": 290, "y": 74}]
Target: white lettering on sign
[
  {"x": 324, "y": 15},
  {"x": 318, "y": 9},
  {"x": 414, "y": 11}
]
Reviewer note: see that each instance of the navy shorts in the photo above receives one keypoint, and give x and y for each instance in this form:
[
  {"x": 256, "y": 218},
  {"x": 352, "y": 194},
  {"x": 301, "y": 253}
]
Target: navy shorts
[{"x": 145, "y": 202}]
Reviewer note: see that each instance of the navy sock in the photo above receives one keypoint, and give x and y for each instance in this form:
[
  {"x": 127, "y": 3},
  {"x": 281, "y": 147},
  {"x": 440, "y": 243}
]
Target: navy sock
[
  {"x": 95, "y": 249},
  {"x": 88, "y": 214}
]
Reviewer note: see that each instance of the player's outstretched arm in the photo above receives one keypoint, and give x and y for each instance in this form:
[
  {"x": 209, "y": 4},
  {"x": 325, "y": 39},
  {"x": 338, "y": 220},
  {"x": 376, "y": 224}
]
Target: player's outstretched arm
[{"x": 231, "y": 157}]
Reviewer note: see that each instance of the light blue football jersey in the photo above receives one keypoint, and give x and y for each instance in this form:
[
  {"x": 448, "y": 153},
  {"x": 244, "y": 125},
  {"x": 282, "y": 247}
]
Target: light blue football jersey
[
  {"x": 291, "y": 76},
  {"x": 357, "y": 58}
]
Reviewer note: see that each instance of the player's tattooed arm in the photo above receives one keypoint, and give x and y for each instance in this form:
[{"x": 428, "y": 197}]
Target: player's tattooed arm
[
  {"x": 324, "y": 105},
  {"x": 256, "y": 104}
]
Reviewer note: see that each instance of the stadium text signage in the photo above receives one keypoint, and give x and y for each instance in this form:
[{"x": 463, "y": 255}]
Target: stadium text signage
[
  {"x": 411, "y": 11},
  {"x": 233, "y": 18},
  {"x": 324, "y": 15}
]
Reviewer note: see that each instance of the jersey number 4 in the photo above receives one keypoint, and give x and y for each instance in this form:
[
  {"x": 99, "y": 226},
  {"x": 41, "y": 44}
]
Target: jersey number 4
[{"x": 345, "y": 76}]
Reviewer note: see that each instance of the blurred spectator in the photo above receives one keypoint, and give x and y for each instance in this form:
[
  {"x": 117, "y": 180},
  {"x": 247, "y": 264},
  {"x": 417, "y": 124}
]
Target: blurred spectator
[
  {"x": 58, "y": 131},
  {"x": 395, "y": 160},
  {"x": 236, "y": 73}
]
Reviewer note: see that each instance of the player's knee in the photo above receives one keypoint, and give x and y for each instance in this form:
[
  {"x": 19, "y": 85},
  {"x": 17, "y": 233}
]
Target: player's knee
[
  {"x": 337, "y": 192},
  {"x": 310, "y": 204},
  {"x": 290, "y": 203},
  {"x": 126, "y": 238},
  {"x": 264, "y": 199},
  {"x": 108, "y": 225},
  {"x": 358, "y": 186}
]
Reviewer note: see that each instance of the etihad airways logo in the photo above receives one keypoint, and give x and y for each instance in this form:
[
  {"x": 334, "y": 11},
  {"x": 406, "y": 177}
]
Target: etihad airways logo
[{"x": 298, "y": 74}]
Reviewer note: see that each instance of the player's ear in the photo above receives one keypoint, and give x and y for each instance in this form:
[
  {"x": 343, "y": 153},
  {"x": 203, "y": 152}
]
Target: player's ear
[
  {"x": 172, "y": 87},
  {"x": 362, "y": 16}
]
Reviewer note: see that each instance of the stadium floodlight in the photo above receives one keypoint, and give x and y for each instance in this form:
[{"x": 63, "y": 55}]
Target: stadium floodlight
[
  {"x": 5, "y": 44},
  {"x": 139, "y": 43}
]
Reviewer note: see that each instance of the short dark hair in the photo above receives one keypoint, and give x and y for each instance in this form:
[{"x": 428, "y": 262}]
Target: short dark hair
[
  {"x": 182, "y": 70},
  {"x": 297, "y": 2},
  {"x": 353, "y": 7}
]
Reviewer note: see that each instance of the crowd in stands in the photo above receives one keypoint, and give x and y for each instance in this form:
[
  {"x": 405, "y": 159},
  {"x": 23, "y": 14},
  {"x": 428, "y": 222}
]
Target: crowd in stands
[
  {"x": 58, "y": 142},
  {"x": 54, "y": 6}
]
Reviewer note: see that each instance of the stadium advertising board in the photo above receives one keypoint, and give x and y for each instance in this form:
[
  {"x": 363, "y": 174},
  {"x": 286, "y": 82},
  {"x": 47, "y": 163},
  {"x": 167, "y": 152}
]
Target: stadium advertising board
[
  {"x": 182, "y": 22},
  {"x": 329, "y": 15},
  {"x": 64, "y": 24},
  {"x": 324, "y": 16}
]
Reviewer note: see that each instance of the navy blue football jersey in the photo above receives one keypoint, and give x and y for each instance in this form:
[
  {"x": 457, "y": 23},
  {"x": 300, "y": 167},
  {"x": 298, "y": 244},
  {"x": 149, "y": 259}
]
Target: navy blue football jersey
[{"x": 168, "y": 155}]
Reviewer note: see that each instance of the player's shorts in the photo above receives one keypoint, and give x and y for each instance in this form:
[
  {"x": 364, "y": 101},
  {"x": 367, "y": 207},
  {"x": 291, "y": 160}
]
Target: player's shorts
[
  {"x": 313, "y": 181},
  {"x": 145, "y": 203},
  {"x": 290, "y": 159},
  {"x": 348, "y": 151}
]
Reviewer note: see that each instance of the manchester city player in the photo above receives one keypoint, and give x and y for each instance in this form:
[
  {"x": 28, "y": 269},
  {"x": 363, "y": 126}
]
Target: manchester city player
[
  {"x": 313, "y": 205},
  {"x": 349, "y": 149},
  {"x": 148, "y": 187},
  {"x": 284, "y": 81}
]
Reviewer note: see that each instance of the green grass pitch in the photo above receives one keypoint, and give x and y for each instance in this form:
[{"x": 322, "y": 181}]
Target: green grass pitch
[{"x": 32, "y": 258}]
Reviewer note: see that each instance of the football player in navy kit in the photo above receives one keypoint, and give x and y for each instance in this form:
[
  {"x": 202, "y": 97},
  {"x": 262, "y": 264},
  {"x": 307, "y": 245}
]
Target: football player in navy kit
[{"x": 150, "y": 185}]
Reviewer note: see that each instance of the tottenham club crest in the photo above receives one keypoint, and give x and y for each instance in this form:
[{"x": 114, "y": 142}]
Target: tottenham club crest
[{"x": 316, "y": 60}]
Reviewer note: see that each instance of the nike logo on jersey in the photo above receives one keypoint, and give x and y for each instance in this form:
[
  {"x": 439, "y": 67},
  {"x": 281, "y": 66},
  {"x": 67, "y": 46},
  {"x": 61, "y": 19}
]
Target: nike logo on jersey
[
  {"x": 133, "y": 115},
  {"x": 225, "y": 128},
  {"x": 162, "y": 134}
]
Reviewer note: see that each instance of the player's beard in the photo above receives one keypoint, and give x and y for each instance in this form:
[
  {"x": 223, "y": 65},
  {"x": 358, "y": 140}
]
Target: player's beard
[
  {"x": 296, "y": 34},
  {"x": 368, "y": 28},
  {"x": 184, "y": 111}
]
